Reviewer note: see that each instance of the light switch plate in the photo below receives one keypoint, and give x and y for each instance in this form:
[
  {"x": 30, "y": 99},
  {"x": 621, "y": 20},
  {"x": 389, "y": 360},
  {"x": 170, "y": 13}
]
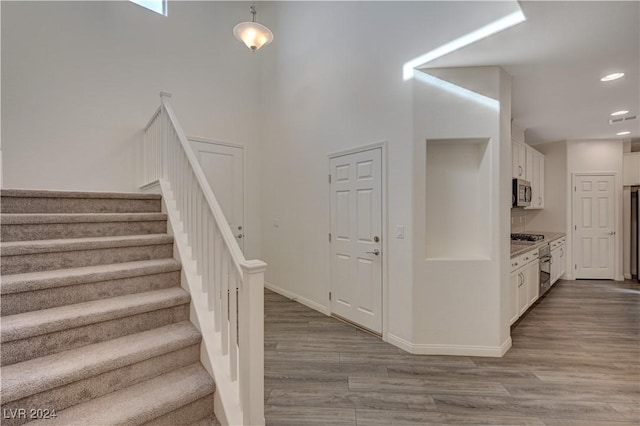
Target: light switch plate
[{"x": 400, "y": 231}]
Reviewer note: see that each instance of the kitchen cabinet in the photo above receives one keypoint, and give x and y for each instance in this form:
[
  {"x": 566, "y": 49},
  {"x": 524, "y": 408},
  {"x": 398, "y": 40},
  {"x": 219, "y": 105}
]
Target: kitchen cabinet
[
  {"x": 524, "y": 284},
  {"x": 533, "y": 282},
  {"x": 519, "y": 160},
  {"x": 528, "y": 164},
  {"x": 631, "y": 168},
  {"x": 535, "y": 171},
  {"x": 557, "y": 259},
  {"x": 514, "y": 313}
]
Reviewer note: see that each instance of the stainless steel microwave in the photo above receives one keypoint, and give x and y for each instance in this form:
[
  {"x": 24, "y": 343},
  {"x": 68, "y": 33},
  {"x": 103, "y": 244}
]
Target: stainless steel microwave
[{"x": 521, "y": 196}]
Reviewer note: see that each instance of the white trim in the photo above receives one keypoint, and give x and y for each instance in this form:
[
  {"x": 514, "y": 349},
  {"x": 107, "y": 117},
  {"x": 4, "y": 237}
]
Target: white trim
[
  {"x": 214, "y": 142},
  {"x": 627, "y": 276},
  {"x": 458, "y": 350},
  {"x": 297, "y": 298},
  {"x": 399, "y": 342},
  {"x": 383, "y": 145}
]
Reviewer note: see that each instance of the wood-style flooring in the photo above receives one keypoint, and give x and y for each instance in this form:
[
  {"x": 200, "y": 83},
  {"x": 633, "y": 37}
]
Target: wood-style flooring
[{"x": 575, "y": 360}]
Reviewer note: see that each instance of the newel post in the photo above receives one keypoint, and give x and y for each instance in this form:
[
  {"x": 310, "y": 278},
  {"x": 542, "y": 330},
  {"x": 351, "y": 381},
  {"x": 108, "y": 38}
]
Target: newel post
[{"x": 251, "y": 324}]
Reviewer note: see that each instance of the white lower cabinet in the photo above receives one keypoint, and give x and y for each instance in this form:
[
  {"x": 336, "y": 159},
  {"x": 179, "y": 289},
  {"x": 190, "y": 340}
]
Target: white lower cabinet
[
  {"x": 557, "y": 263},
  {"x": 533, "y": 282},
  {"x": 524, "y": 284},
  {"x": 514, "y": 312}
]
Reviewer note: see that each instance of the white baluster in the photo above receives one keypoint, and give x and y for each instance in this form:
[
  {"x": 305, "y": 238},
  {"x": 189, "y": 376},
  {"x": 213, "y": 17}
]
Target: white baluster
[
  {"x": 225, "y": 302},
  {"x": 233, "y": 323},
  {"x": 205, "y": 251},
  {"x": 198, "y": 230},
  {"x": 217, "y": 295}
]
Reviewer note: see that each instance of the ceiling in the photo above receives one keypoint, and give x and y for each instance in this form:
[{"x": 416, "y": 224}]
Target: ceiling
[{"x": 556, "y": 59}]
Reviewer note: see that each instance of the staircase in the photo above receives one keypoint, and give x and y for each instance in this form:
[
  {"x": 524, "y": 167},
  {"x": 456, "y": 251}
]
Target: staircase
[{"x": 94, "y": 322}]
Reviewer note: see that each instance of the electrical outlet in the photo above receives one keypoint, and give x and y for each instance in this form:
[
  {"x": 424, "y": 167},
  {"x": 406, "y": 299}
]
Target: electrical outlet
[{"x": 400, "y": 232}]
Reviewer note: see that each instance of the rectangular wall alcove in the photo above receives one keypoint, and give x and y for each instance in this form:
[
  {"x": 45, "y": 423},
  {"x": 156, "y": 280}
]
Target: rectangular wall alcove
[{"x": 458, "y": 199}]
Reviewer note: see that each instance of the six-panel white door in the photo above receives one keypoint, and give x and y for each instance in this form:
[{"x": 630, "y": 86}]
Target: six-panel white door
[
  {"x": 356, "y": 231},
  {"x": 223, "y": 165},
  {"x": 594, "y": 226}
]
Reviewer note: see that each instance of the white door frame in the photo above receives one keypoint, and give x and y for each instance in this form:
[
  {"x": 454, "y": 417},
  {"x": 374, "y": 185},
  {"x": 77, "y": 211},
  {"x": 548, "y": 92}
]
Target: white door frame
[
  {"x": 385, "y": 246},
  {"x": 617, "y": 223},
  {"x": 244, "y": 175}
]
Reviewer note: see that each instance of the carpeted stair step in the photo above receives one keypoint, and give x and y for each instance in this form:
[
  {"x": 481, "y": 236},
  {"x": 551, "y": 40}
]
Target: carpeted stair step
[
  {"x": 177, "y": 396},
  {"x": 43, "y": 255},
  {"x": 34, "y": 291},
  {"x": 207, "y": 421},
  {"x": 72, "y": 377},
  {"x": 29, "y": 226},
  {"x": 34, "y": 334},
  {"x": 34, "y": 201}
]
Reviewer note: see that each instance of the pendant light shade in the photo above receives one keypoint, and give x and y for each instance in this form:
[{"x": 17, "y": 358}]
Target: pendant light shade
[{"x": 253, "y": 34}]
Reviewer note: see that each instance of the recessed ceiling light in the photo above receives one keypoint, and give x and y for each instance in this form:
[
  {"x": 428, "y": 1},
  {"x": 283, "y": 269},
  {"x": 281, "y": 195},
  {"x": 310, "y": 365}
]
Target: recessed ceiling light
[
  {"x": 611, "y": 77},
  {"x": 623, "y": 133},
  {"x": 622, "y": 112}
]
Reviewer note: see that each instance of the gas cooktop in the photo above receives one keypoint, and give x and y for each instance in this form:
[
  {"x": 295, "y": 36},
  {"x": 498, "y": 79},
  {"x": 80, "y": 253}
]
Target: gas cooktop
[{"x": 527, "y": 237}]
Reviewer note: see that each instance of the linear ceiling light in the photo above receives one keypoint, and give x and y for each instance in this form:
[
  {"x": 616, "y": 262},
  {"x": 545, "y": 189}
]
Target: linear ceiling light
[
  {"x": 458, "y": 90},
  {"x": 622, "y": 112},
  {"x": 467, "y": 39},
  {"x": 611, "y": 77}
]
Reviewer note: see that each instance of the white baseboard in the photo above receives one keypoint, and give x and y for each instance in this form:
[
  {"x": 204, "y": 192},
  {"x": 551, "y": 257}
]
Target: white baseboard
[
  {"x": 399, "y": 342},
  {"x": 458, "y": 350},
  {"x": 297, "y": 298},
  {"x": 627, "y": 276}
]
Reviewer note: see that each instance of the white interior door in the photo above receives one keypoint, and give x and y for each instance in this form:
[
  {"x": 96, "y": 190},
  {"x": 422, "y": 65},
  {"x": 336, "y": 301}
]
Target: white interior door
[
  {"x": 356, "y": 232},
  {"x": 594, "y": 226},
  {"x": 223, "y": 165}
]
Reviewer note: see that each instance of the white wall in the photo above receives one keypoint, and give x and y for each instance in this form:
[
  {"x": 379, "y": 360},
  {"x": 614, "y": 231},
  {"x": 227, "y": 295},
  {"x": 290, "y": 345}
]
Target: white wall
[
  {"x": 596, "y": 156},
  {"x": 338, "y": 84},
  {"x": 460, "y": 305},
  {"x": 81, "y": 79},
  {"x": 553, "y": 218}
]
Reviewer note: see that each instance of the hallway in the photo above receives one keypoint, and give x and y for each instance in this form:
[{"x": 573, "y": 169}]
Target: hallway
[{"x": 575, "y": 360}]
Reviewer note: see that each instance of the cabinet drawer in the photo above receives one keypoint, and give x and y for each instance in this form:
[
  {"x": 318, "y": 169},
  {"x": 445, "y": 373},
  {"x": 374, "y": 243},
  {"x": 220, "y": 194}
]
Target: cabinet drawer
[
  {"x": 521, "y": 260},
  {"x": 557, "y": 243}
]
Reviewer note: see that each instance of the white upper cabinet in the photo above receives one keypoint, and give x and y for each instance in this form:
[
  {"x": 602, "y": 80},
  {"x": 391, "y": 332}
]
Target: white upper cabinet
[
  {"x": 631, "y": 169},
  {"x": 519, "y": 160},
  {"x": 535, "y": 175},
  {"x": 528, "y": 164}
]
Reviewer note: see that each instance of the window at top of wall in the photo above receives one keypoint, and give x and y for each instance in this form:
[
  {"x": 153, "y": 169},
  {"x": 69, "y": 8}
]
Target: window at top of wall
[{"x": 158, "y": 6}]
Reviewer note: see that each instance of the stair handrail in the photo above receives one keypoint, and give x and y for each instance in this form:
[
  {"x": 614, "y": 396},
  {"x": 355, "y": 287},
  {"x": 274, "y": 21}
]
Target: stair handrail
[
  {"x": 213, "y": 247},
  {"x": 227, "y": 234}
]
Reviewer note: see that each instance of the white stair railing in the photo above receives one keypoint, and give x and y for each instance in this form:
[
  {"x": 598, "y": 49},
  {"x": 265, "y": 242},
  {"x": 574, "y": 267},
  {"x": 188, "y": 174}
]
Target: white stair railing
[{"x": 168, "y": 157}]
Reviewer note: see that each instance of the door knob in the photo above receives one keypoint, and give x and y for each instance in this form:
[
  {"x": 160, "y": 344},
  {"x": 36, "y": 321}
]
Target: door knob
[
  {"x": 612, "y": 232},
  {"x": 239, "y": 236},
  {"x": 376, "y": 252}
]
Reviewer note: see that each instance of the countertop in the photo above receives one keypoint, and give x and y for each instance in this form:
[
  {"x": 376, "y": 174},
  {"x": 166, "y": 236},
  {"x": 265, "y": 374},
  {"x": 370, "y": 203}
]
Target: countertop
[{"x": 518, "y": 248}]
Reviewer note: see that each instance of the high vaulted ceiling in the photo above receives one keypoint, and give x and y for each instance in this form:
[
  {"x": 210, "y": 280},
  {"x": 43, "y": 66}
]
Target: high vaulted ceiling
[{"x": 556, "y": 58}]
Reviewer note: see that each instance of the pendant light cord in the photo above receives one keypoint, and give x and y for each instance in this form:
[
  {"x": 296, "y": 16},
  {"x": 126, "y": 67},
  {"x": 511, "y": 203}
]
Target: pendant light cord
[{"x": 252, "y": 9}]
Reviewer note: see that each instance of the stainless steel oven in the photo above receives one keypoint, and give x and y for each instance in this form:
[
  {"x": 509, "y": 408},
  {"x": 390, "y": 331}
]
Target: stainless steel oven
[{"x": 545, "y": 268}]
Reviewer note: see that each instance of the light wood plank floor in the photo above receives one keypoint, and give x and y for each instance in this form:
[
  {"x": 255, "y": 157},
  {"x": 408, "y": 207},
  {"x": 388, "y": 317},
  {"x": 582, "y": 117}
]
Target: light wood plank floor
[{"x": 575, "y": 360}]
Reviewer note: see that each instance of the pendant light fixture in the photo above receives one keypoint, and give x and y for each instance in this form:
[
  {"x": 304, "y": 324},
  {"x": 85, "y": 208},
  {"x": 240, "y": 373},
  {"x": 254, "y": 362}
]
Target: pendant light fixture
[{"x": 253, "y": 34}]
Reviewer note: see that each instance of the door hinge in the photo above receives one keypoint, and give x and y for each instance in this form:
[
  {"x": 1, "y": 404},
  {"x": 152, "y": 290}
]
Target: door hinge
[
  {"x": 575, "y": 189},
  {"x": 329, "y": 236},
  {"x": 575, "y": 227},
  {"x": 329, "y": 295},
  {"x": 329, "y": 178},
  {"x": 575, "y": 266}
]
